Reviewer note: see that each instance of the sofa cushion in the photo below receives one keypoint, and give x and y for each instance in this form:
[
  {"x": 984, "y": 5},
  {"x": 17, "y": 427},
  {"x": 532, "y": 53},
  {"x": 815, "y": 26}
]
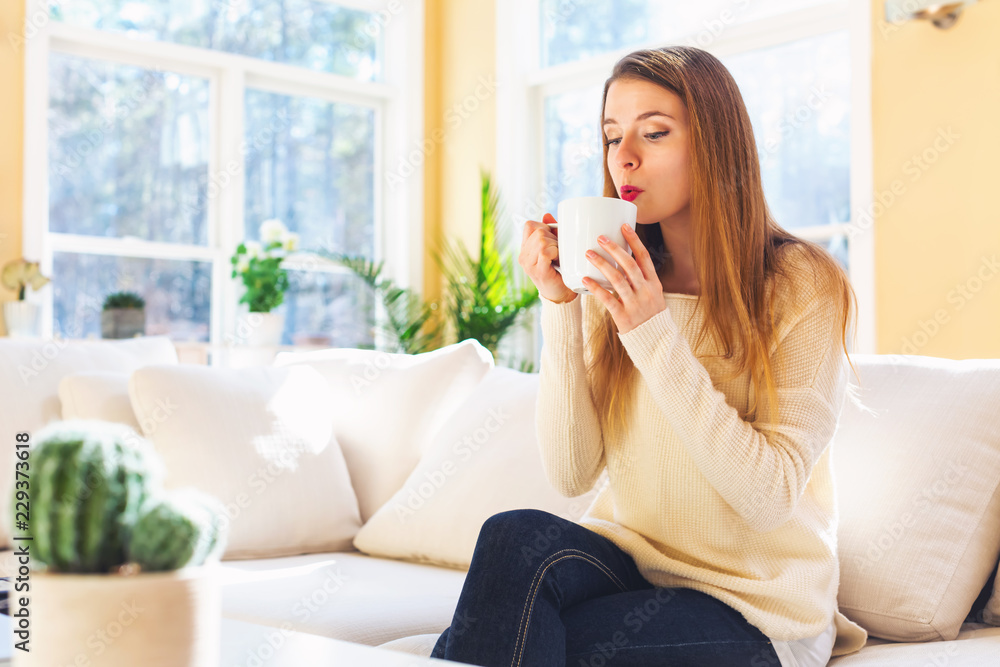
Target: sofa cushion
[
  {"x": 30, "y": 372},
  {"x": 345, "y": 595},
  {"x": 97, "y": 395},
  {"x": 484, "y": 460},
  {"x": 386, "y": 406},
  {"x": 261, "y": 441},
  {"x": 917, "y": 478},
  {"x": 975, "y": 645},
  {"x": 422, "y": 645}
]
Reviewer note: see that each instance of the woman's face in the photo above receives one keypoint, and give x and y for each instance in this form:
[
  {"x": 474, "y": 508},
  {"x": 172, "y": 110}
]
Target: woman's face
[{"x": 646, "y": 128}]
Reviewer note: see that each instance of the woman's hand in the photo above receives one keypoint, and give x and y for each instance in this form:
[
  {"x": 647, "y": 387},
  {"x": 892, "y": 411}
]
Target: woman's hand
[
  {"x": 538, "y": 250},
  {"x": 640, "y": 293}
]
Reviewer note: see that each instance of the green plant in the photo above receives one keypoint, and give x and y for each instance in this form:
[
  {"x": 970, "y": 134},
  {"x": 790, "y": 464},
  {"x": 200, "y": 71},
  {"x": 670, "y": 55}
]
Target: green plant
[
  {"x": 123, "y": 300},
  {"x": 18, "y": 274},
  {"x": 409, "y": 326},
  {"x": 175, "y": 530},
  {"x": 91, "y": 486},
  {"x": 259, "y": 265},
  {"x": 483, "y": 302}
]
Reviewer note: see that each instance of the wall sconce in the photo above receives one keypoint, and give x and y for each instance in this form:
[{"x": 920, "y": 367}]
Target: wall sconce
[{"x": 941, "y": 14}]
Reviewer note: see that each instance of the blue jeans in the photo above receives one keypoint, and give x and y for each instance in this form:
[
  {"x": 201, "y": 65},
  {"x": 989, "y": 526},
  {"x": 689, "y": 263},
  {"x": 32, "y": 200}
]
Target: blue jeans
[{"x": 542, "y": 591}]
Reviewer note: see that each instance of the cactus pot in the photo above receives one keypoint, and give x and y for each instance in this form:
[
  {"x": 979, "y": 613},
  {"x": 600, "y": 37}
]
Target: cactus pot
[
  {"x": 123, "y": 322},
  {"x": 155, "y": 619}
]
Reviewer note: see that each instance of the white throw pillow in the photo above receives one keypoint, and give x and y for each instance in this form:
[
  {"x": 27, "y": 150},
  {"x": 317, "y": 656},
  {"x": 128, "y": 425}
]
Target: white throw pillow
[
  {"x": 261, "y": 441},
  {"x": 97, "y": 395},
  {"x": 30, "y": 372},
  {"x": 386, "y": 407},
  {"x": 917, "y": 485},
  {"x": 484, "y": 460}
]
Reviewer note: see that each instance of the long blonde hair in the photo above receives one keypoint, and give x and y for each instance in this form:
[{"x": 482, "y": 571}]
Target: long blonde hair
[{"x": 737, "y": 245}]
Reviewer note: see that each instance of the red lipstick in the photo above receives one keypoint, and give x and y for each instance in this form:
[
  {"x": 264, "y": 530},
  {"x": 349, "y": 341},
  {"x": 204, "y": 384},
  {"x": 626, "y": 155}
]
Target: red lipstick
[{"x": 630, "y": 192}]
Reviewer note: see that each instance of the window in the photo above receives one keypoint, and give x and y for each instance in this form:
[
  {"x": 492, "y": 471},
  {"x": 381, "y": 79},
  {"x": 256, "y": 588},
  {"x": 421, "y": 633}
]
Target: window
[
  {"x": 803, "y": 68},
  {"x": 160, "y": 134}
]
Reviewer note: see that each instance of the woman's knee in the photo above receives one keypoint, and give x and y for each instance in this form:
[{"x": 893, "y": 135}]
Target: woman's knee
[{"x": 525, "y": 530}]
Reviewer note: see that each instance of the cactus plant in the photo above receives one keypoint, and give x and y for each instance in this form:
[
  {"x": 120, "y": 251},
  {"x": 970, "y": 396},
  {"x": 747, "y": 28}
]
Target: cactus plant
[
  {"x": 176, "y": 530},
  {"x": 90, "y": 479},
  {"x": 92, "y": 482}
]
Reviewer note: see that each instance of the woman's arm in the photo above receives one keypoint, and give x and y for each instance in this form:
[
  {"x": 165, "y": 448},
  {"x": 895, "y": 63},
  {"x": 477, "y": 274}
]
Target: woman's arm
[
  {"x": 566, "y": 422},
  {"x": 760, "y": 469}
]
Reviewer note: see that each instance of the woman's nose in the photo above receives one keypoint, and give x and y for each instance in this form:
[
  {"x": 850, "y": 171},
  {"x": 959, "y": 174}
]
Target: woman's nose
[{"x": 625, "y": 156}]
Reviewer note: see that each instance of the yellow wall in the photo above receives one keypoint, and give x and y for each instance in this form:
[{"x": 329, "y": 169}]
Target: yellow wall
[
  {"x": 11, "y": 137},
  {"x": 936, "y": 238},
  {"x": 460, "y": 106},
  {"x": 941, "y": 234}
]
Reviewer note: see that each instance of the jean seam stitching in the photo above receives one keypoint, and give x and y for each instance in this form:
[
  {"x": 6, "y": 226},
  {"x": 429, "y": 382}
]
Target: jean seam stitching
[{"x": 532, "y": 592}]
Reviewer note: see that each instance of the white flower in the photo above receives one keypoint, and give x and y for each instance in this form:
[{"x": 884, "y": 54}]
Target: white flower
[
  {"x": 291, "y": 242},
  {"x": 272, "y": 230},
  {"x": 253, "y": 249},
  {"x": 242, "y": 265}
]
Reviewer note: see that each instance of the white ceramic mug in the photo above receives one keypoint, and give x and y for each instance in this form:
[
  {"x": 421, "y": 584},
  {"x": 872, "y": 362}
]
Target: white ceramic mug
[{"x": 580, "y": 221}]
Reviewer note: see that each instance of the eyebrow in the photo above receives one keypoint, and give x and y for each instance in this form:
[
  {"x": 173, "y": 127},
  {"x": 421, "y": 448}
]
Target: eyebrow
[{"x": 643, "y": 116}]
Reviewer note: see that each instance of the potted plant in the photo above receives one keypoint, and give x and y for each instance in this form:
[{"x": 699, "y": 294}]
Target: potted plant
[
  {"x": 120, "y": 571},
  {"x": 21, "y": 316},
  {"x": 482, "y": 300},
  {"x": 258, "y": 264},
  {"x": 123, "y": 315}
]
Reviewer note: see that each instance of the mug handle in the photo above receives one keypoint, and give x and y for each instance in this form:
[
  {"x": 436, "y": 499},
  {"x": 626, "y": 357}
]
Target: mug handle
[{"x": 553, "y": 225}]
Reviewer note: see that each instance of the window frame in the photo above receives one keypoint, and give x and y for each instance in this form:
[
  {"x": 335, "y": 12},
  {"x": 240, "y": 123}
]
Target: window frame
[
  {"x": 523, "y": 86},
  {"x": 397, "y": 101}
]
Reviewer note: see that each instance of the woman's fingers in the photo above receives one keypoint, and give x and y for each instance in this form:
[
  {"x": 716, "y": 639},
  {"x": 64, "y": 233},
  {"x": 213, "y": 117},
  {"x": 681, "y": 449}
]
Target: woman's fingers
[
  {"x": 639, "y": 252},
  {"x": 626, "y": 264},
  {"x": 614, "y": 276}
]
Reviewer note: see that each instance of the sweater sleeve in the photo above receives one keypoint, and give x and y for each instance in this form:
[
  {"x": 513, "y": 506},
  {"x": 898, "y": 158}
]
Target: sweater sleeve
[
  {"x": 760, "y": 469},
  {"x": 566, "y": 421}
]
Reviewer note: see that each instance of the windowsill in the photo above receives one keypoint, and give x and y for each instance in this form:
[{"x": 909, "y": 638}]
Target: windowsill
[
  {"x": 235, "y": 356},
  {"x": 225, "y": 355}
]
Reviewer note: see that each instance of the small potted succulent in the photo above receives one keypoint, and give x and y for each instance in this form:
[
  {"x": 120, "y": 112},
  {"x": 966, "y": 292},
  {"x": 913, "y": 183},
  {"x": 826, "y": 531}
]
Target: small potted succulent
[
  {"x": 123, "y": 315},
  {"x": 21, "y": 316},
  {"x": 120, "y": 571}
]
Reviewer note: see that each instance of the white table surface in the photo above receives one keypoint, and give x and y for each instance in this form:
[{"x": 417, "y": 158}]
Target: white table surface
[
  {"x": 276, "y": 647},
  {"x": 241, "y": 640}
]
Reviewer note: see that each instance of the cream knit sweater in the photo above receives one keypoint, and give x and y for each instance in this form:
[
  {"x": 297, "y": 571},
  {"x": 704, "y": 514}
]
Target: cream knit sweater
[{"x": 700, "y": 498}]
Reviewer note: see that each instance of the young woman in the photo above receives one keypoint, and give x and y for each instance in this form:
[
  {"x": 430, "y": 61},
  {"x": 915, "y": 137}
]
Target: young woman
[{"x": 707, "y": 384}]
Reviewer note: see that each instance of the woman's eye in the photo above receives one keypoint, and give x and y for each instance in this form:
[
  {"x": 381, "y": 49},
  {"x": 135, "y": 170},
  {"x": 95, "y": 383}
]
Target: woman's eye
[{"x": 653, "y": 135}]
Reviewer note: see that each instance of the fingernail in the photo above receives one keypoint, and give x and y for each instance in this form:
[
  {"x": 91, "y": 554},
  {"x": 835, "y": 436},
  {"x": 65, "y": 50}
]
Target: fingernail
[{"x": 602, "y": 238}]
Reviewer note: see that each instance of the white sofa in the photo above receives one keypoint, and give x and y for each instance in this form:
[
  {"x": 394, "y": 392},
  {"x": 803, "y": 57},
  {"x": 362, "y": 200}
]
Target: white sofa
[{"x": 356, "y": 482}]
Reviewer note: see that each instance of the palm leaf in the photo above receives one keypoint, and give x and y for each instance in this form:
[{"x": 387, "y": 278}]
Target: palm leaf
[{"x": 408, "y": 327}]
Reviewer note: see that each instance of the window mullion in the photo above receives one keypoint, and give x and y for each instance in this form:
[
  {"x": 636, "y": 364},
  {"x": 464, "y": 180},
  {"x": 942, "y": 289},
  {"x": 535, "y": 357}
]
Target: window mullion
[
  {"x": 35, "y": 210},
  {"x": 227, "y": 180}
]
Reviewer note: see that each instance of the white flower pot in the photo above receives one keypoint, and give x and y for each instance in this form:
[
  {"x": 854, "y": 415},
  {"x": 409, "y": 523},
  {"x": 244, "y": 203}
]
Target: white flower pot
[
  {"x": 260, "y": 329},
  {"x": 21, "y": 319},
  {"x": 155, "y": 619}
]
